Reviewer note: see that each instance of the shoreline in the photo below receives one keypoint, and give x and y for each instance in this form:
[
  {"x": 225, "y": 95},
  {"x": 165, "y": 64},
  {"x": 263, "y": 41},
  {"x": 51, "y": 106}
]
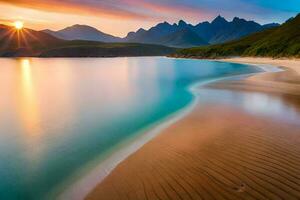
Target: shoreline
[
  {"x": 88, "y": 182},
  {"x": 283, "y": 83},
  {"x": 196, "y": 101},
  {"x": 292, "y": 64},
  {"x": 85, "y": 185}
]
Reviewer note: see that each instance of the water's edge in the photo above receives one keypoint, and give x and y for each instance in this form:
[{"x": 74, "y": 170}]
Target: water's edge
[{"x": 81, "y": 188}]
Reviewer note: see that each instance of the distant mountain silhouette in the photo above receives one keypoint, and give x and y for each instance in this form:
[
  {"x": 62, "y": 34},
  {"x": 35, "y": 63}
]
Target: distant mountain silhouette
[
  {"x": 281, "y": 41},
  {"x": 271, "y": 25},
  {"x": 155, "y": 33},
  {"x": 82, "y": 32},
  {"x": 30, "y": 43},
  {"x": 218, "y": 31},
  {"x": 185, "y": 37},
  {"x": 163, "y": 33},
  {"x": 179, "y": 34}
]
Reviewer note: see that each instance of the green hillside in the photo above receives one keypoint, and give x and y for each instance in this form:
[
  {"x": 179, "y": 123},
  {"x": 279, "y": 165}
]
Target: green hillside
[
  {"x": 97, "y": 49},
  {"x": 282, "y": 41}
]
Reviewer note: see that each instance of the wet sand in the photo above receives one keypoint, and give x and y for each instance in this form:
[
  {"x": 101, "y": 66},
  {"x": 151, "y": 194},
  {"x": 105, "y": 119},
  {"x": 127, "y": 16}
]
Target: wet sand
[{"x": 222, "y": 150}]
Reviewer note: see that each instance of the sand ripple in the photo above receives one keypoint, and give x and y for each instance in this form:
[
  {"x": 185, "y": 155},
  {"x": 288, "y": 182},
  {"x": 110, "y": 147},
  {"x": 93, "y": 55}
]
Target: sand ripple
[{"x": 216, "y": 152}]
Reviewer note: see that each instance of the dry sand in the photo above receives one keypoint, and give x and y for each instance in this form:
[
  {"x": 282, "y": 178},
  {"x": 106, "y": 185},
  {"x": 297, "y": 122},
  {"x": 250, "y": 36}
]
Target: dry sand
[{"x": 219, "y": 151}]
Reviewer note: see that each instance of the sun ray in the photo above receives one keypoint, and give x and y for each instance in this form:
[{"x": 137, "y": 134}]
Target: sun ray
[
  {"x": 34, "y": 37},
  {"x": 24, "y": 40},
  {"x": 7, "y": 38}
]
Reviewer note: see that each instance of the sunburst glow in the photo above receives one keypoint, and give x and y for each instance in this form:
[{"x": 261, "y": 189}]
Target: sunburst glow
[{"x": 18, "y": 25}]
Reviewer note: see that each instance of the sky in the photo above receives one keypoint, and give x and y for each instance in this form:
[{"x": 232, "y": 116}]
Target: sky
[{"x": 118, "y": 17}]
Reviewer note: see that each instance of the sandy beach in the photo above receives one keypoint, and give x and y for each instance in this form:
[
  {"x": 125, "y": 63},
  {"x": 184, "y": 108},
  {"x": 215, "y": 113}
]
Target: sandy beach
[{"x": 222, "y": 149}]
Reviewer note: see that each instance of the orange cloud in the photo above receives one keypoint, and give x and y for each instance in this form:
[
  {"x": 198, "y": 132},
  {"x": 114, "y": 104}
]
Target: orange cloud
[
  {"x": 116, "y": 17},
  {"x": 172, "y": 9},
  {"x": 78, "y": 8},
  {"x": 124, "y": 9}
]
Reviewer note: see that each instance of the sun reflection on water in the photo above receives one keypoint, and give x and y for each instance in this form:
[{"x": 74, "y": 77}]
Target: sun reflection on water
[
  {"x": 26, "y": 74},
  {"x": 29, "y": 111},
  {"x": 28, "y": 108}
]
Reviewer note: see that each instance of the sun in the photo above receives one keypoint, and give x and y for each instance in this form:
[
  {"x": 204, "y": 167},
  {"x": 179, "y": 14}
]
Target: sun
[{"x": 18, "y": 25}]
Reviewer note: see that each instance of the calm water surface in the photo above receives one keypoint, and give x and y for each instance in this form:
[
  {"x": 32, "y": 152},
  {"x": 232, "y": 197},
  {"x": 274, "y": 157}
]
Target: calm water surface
[{"x": 58, "y": 115}]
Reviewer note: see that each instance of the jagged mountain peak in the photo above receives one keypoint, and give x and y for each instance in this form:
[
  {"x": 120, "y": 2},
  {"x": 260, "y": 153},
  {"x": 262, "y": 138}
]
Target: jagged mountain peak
[
  {"x": 219, "y": 19},
  {"x": 281, "y": 41},
  {"x": 182, "y": 23},
  {"x": 163, "y": 24},
  {"x": 237, "y": 19},
  {"x": 141, "y": 30}
]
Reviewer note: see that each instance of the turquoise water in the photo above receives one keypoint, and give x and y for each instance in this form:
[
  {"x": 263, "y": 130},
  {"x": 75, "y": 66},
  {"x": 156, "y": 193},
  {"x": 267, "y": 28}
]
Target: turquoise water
[{"x": 59, "y": 115}]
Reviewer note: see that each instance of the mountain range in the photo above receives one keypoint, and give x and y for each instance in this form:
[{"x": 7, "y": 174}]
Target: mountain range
[
  {"x": 31, "y": 43},
  {"x": 162, "y": 39},
  {"x": 282, "y": 41},
  {"x": 179, "y": 34}
]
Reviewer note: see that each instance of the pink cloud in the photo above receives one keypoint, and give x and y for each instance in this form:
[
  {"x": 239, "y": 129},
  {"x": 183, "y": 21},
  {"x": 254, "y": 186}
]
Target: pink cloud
[{"x": 128, "y": 9}]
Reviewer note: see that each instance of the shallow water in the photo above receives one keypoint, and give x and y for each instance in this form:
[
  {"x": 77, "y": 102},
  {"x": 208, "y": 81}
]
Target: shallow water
[{"x": 59, "y": 115}]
